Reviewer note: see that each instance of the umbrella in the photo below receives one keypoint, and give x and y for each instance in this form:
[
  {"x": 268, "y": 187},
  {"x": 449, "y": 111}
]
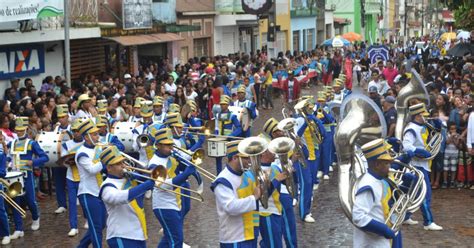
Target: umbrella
[
  {"x": 337, "y": 41},
  {"x": 461, "y": 49},
  {"x": 448, "y": 36},
  {"x": 463, "y": 35},
  {"x": 351, "y": 36}
]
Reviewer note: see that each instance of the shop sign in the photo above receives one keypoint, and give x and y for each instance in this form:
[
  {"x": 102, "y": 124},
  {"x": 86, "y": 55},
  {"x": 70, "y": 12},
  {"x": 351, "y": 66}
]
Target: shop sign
[{"x": 21, "y": 61}]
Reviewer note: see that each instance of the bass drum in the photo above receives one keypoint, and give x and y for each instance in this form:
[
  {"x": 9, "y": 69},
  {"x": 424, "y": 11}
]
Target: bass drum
[
  {"x": 51, "y": 143},
  {"x": 243, "y": 116},
  {"x": 123, "y": 131}
]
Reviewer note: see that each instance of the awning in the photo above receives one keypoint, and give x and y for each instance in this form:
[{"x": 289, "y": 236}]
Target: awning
[
  {"x": 342, "y": 21},
  {"x": 136, "y": 40}
]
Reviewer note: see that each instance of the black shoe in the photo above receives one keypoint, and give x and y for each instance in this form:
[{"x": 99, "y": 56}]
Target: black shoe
[{"x": 444, "y": 185}]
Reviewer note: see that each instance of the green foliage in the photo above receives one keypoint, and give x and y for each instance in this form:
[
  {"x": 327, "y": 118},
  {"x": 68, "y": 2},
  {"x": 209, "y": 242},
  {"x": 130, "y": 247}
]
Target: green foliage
[{"x": 463, "y": 13}]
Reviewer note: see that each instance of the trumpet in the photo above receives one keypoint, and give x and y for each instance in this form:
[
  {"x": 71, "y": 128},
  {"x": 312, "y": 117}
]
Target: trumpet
[
  {"x": 280, "y": 147},
  {"x": 253, "y": 147},
  {"x": 143, "y": 140},
  {"x": 196, "y": 160},
  {"x": 287, "y": 125},
  {"x": 13, "y": 190},
  {"x": 159, "y": 174}
]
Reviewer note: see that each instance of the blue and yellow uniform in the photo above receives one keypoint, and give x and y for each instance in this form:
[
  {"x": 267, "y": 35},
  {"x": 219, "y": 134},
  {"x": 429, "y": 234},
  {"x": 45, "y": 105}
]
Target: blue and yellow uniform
[
  {"x": 105, "y": 137},
  {"x": 196, "y": 141},
  {"x": 251, "y": 107},
  {"x": 4, "y": 227},
  {"x": 22, "y": 151},
  {"x": 307, "y": 176},
  {"x": 227, "y": 124},
  {"x": 237, "y": 208},
  {"x": 329, "y": 123}
]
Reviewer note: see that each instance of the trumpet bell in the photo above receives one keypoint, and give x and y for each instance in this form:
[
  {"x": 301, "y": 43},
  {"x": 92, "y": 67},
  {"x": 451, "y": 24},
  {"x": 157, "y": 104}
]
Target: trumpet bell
[
  {"x": 286, "y": 124},
  {"x": 143, "y": 140},
  {"x": 253, "y": 146},
  {"x": 159, "y": 172},
  {"x": 14, "y": 189}
]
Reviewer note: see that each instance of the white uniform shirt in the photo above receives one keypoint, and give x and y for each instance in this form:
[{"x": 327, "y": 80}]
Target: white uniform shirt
[
  {"x": 122, "y": 221},
  {"x": 272, "y": 208},
  {"x": 162, "y": 199},
  {"x": 470, "y": 131},
  {"x": 230, "y": 208},
  {"x": 88, "y": 170},
  {"x": 411, "y": 142},
  {"x": 367, "y": 207},
  {"x": 141, "y": 151}
]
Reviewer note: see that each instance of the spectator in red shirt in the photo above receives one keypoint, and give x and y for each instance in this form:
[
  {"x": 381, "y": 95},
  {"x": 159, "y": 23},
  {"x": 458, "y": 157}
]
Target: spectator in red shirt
[
  {"x": 291, "y": 88},
  {"x": 390, "y": 73}
]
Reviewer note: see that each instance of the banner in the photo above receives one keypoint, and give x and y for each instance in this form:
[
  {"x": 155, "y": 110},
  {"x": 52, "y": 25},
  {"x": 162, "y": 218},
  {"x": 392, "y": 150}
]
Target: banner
[
  {"x": 21, "y": 61},
  {"x": 137, "y": 14},
  {"x": 228, "y": 6},
  {"x": 15, "y": 10},
  {"x": 378, "y": 52},
  {"x": 256, "y": 7}
]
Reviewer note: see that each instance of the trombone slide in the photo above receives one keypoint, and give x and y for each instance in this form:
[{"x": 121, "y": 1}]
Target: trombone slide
[{"x": 13, "y": 204}]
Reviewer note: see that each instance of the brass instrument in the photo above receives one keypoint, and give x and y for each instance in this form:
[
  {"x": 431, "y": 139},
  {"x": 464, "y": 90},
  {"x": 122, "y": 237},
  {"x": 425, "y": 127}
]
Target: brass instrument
[
  {"x": 434, "y": 142},
  {"x": 280, "y": 147},
  {"x": 143, "y": 140},
  {"x": 253, "y": 147},
  {"x": 208, "y": 133},
  {"x": 12, "y": 191},
  {"x": 192, "y": 129},
  {"x": 287, "y": 125},
  {"x": 196, "y": 160},
  {"x": 314, "y": 130},
  {"x": 159, "y": 174}
]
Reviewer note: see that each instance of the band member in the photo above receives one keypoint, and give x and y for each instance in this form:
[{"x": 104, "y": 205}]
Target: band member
[
  {"x": 72, "y": 175},
  {"x": 329, "y": 123},
  {"x": 59, "y": 173},
  {"x": 173, "y": 108},
  {"x": 123, "y": 199},
  {"x": 237, "y": 198},
  {"x": 249, "y": 105},
  {"x": 136, "y": 110},
  {"x": 194, "y": 121},
  {"x": 307, "y": 176},
  {"x": 227, "y": 124},
  {"x": 271, "y": 220},
  {"x": 145, "y": 153},
  {"x": 4, "y": 227},
  {"x": 338, "y": 94},
  {"x": 104, "y": 136},
  {"x": 102, "y": 105},
  {"x": 26, "y": 154},
  {"x": 415, "y": 139},
  {"x": 83, "y": 106},
  {"x": 371, "y": 206},
  {"x": 158, "y": 114},
  {"x": 289, "y": 223},
  {"x": 90, "y": 167},
  {"x": 166, "y": 205}
]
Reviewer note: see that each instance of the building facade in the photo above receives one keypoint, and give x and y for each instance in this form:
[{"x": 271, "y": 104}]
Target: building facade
[{"x": 303, "y": 25}]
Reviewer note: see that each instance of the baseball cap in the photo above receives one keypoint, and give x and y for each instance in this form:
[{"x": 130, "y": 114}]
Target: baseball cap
[
  {"x": 372, "y": 89},
  {"x": 127, "y": 76},
  {"x": 390, "y": 99}
]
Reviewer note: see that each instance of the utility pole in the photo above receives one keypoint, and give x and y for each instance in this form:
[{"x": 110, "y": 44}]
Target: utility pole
[
  {"x": 422, "y": 17},
  {"x": 67, "y": 49},
  {"x": 406, "y": 19},
  {"x": 362, "y": 19}
]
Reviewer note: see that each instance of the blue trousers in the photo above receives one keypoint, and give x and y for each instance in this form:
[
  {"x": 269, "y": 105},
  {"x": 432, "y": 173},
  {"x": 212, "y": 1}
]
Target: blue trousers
[
  {"x": 326, "y": 153},
  {"x": 426, "y": 205},
  {"x": 219, "y": 165},
  {"x": 270, "y": 229},
  {"x": 72, "y": 188},
  {"x": 289, "y": 222},
  {"x": 305, "y": 183},
  {"x": 30, "y": 198},
  {"x": 172, "y": 224},
  {"x": 59, "y": 177},
  {"x": 4, "y": 227},
  {"x": 246, "y": 134},
  {"x": 185, "y": 201},
  {"x": 244, "y": 244},
  {"x": 125, "y": 243},
  {"x": 314, "y": 167},
  {"x": 94, "y": 210},
  {"x": 397, "y": 242}
]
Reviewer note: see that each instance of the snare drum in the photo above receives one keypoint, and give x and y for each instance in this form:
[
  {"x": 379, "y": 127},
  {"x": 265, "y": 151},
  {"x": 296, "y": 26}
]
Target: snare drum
[
  {"x": 51, "y": 143},
  {"x": 216, "y": 147},
  {"x": 123, "y": 131},
  {"x": 13, "y": 177}
]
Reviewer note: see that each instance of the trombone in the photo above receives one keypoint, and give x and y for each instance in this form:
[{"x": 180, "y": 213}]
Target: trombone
[
  {"x": 196, "y": 160},
  {"x": 159, "y": 174},
  {"x": 13, "y": 190}
]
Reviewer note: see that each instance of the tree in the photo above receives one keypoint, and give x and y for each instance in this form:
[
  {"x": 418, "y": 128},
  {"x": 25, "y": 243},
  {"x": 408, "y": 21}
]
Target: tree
[{"x": 463, "y": 13}]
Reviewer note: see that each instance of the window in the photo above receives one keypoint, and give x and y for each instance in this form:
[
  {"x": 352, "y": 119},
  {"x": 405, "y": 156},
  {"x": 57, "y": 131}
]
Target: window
[
  {"x": 296, "y": 40},
  {"x": 198, "y": 32},
  {"x": 184, "y": 54},
  {"x": 201, "y": 47},
  {"x": 309, "y": 39}
]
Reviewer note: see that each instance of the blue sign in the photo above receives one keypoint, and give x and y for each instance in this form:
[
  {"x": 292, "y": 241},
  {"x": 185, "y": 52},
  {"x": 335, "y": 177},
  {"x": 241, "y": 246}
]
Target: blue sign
[
  {"x": 21, "y": 61},
  {"x": 378, "y": 53}
]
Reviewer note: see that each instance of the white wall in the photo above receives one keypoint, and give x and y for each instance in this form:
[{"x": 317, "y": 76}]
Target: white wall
[
  {"x": 220, "y": 41},
  {"x": 53, "y": 63}
]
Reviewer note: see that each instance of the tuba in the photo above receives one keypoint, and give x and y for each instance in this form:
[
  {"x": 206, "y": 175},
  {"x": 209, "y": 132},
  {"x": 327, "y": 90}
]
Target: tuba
[
  {"x": 254, "y": 147},
  {"x": 287, "y": 125},
  {"x": 281, "y": 147}
]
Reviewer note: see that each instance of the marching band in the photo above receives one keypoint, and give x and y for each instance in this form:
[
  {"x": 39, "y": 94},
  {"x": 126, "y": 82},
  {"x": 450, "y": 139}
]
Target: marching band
[{"x": 263, "y": 178}]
